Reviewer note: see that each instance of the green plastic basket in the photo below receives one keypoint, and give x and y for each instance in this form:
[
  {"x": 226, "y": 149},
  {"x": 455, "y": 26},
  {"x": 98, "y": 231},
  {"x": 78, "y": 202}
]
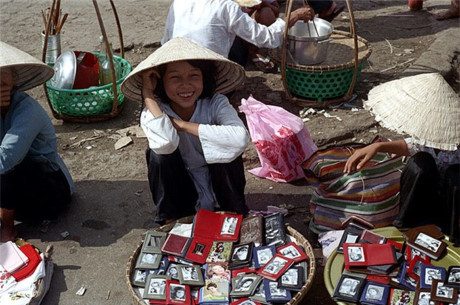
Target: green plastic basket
[
  {"x": 92, "y": 101},
  {"x": 320, "y": 85}
]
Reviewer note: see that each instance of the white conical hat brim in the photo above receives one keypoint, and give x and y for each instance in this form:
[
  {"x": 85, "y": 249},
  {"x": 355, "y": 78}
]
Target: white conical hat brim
[
  {"x": 423, "y": 106},
  {"x": 29, "y": 72},
  {"x": 229, "y": 75}
]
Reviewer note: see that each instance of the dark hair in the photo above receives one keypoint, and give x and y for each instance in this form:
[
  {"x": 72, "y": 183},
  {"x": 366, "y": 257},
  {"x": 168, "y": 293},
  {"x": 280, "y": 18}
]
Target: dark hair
[
  {"x": 212, "y": 284},
  {"x": 208, "y": 70}
]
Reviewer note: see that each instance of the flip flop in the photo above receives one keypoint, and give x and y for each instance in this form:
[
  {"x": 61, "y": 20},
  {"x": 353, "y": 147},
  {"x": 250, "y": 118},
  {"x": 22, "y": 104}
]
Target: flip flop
[
  {"x": 263, "y": 64},
  {"x": 334, "y": 14}
]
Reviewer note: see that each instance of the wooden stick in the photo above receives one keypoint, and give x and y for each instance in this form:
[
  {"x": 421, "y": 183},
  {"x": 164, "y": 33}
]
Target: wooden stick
[
  {"x": 56, "y": 15},
  {"x": 44, "y": 19},
  {"x": 62, "y": 23}
]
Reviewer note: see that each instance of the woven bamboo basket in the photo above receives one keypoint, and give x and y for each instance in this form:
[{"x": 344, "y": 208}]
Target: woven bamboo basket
[
  {"x": 331, "y": 82},
  {"x": 111, "y": 95},
  {"x": 301, "y": 240}
]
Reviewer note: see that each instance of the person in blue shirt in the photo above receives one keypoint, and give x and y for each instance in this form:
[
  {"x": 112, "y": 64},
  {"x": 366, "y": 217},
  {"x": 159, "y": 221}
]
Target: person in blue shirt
[{"x": 34, "y": 181}]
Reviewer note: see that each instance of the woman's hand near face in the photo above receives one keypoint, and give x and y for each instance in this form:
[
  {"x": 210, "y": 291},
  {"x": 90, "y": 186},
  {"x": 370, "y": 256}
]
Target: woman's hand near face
[{"x": 149, "y": 83}]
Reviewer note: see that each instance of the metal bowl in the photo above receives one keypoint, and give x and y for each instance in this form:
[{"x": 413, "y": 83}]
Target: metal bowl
[
  {"x": 65, "y": 69},
  {"x": 308, "y": 42},
  {"x": 314, "y": 30}
]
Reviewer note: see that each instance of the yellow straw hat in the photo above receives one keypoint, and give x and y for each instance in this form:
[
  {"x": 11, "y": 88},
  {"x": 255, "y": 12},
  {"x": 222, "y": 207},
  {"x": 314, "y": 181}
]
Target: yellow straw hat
[
  {"x": 29, "y": 72},
  {"x": 423, "y": 106},
  {"x": 229, "y": 74}
]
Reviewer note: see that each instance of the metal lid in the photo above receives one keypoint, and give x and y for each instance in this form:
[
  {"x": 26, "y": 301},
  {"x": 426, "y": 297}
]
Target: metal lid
[{"x": 65, "y": 69}]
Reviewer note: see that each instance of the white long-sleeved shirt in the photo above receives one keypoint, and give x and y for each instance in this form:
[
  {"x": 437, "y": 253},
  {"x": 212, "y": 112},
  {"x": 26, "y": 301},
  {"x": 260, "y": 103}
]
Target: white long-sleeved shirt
[
  {"x": 222, "y": 137},
  {"x": 215, "y": 23}
]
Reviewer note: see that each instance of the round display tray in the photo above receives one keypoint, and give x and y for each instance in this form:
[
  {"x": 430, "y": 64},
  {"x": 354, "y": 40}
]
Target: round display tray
[
  {"x": 335, "y": 263},
  {"x": 301, "y": 240}
]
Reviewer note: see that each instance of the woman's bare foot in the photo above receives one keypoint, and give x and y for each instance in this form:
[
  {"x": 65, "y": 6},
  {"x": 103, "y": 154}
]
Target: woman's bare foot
[{"x": 449, "y": 14}]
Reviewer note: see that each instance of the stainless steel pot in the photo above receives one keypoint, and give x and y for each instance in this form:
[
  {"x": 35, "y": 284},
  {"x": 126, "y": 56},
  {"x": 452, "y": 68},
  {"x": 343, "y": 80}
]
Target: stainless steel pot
[{"x": 308, "y": 42}]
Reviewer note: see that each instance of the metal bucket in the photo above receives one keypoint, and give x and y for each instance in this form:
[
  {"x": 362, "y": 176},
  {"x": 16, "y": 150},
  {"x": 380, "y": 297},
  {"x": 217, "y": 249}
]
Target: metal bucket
[
  {"x": 53, "y": 48},
  {"x": 308, "y": 41}
]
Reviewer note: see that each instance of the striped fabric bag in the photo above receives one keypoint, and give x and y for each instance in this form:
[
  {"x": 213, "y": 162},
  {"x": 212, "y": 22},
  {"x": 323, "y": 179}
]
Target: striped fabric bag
[{"x": 371, "y": 193}]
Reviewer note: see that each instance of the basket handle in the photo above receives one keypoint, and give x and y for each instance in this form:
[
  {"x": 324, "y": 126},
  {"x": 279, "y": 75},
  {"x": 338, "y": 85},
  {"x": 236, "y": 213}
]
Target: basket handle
[
  {"x": 284, "y": 49},
  {"x": 56, "y": 114},
  {"x": 113, "y": 113},
  {"x": 112, "y": 67},
  {"x": 355, "y": 44}
]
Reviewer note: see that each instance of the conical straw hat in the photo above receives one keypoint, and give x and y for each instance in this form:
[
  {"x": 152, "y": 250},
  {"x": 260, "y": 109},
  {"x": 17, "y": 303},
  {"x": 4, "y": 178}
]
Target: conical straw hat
[
  {"x": 423, "y": 106},
  {"x": 28, "y": 71},
  {"x": 229, "y": 75}
]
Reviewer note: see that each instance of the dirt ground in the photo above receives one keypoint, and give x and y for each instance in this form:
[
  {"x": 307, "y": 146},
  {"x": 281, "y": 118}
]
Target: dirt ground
[{"x": 112, "y": 201}]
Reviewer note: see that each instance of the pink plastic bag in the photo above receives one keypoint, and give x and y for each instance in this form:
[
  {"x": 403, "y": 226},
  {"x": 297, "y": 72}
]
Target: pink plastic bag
[{"x": 281, "y": 138}]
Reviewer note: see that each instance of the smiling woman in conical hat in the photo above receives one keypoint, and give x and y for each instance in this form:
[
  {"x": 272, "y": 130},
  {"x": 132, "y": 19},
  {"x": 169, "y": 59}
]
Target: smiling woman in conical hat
[
  {"x": 195, "y": 135},
  {"x": 229, "y": 75},
  {"x": 427, "y": 110},
  {"x": 35, "y": 183}
]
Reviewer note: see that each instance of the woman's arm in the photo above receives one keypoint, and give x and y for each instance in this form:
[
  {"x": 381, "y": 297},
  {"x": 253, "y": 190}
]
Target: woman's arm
[
  {"x": 360, "y": 157},
  {"x": 149, "y": 83}
]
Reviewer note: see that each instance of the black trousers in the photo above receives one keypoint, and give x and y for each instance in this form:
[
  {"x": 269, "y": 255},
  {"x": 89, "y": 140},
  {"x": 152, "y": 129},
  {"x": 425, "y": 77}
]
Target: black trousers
[
  {"x": 427, "y": 197},
  {"x": 174, "y": 192},
  {"x": 319, "y": 5},
  {"x": 33, "y": 193}
]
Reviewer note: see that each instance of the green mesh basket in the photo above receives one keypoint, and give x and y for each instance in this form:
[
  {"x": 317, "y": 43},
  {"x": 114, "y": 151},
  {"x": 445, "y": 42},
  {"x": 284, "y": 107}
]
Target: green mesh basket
[
  {"x": 320, "y": 85},
  {"x": 91, "y": 101}
]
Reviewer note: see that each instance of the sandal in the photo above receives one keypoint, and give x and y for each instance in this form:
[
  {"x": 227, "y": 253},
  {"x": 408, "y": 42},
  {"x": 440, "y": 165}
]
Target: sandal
[
  {"x": 263, "y": 64},
  {"x": 334, "y": 14}
]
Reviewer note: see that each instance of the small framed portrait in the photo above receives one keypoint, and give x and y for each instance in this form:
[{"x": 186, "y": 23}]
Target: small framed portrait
[
  {"x": 427, "y": 242},
  {"x": 275, "y": 233},
  {"x": 139, "y": 277},
  {"x": 275, "y": 267},
  {"x": 442, "y": 293},
  {"x": 349, "y": 288},
  {"x": 292, "y": 278},
  {"x": 220, "y": 252},
  {"x": 261, "y": 255},
  {"x": 350, "y": 236},
  {"x": 229, "y": 225},
  {"x": 214, "y": 292},
  {"x": 177, "y": 293},
  {"x": 293, "y": 251},
  {"x": 242, "y": 253},
  {"x": 259, "y": 294},
  {"x": 155, "y": 287},
  {"x": 356, "y": 254},
  {"x": 411, "y": 253},
  {"x": 147, "y": 260},
  {"x": 274, "y": 293},
  {"x": 375, "y": 293},
  {"x": 399, "y": 296},
  {"x": 153, "y": 241},
  {"x": 246, "y": 285},
  {"x": 172, "y": 271},
  {"x": 423, "y": 297},
  {"x": 404, "y": 279},
  {"x": 415, "y": 266},
  {"x": 453, "y": 277},
  {"x": 190, "y": 275},
  {"x": 244, "y": 301},
  {"x": 429, "y": 273}
]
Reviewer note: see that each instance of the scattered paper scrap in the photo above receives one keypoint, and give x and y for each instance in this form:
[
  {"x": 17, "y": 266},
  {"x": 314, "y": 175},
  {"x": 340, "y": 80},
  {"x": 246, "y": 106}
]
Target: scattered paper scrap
[
  {"x": 124, "y": 141},
  {"x": 81, "y": 291}
]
